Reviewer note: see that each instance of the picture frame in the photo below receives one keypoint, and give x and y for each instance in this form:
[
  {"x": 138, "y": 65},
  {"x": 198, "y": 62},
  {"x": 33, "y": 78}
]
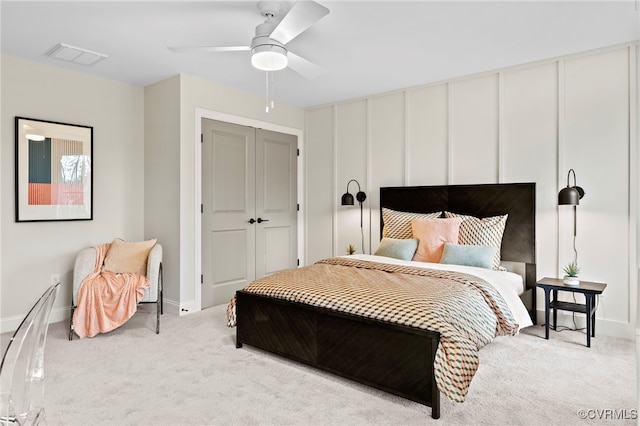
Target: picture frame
[{"x": 54, "y": 171}]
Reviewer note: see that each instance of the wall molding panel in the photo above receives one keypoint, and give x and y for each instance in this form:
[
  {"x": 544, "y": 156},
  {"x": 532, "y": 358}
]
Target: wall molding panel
[{"x": 527, "y": 123}]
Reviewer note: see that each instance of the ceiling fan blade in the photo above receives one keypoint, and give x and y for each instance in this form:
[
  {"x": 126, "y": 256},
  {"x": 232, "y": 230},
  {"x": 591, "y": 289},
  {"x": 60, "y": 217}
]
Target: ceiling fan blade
[
  {"x": 302, "y": 15},
  {"x": 304, "y": 67},
  {"x": 205, "y": 49}
]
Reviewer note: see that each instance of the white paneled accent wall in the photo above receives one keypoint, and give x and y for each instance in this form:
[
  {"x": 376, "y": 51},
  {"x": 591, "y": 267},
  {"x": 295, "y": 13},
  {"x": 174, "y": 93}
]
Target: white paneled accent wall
[
  {"x": 530, "y": 123},
  {"x": 596, "y": 145},
  {"x": 473, "y": 130},
  {"x": 427, "y": 148},
  {"x": 529, "y": 147},
  {"x": 387, "y": 158},
  {"x": 351, "y": 158}
]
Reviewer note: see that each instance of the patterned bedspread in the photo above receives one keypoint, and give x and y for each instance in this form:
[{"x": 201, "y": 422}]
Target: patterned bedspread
[{"x": 466, "y": 310}]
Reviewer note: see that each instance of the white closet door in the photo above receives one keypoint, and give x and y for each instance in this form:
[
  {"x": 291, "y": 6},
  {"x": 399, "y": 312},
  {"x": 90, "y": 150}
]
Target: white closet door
[
  {"x": 249, "y": 197},
  {"x": 276, "y": 202},
  {"x": 228, "y": 204}
]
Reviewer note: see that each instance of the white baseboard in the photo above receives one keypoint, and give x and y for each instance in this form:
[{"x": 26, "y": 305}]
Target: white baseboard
[
  {"x": 171, "y": 306},
  {"x": 188, "y": 308},
  {"x": 604, "y": 327},
  {"x": 10, "y": 324}
]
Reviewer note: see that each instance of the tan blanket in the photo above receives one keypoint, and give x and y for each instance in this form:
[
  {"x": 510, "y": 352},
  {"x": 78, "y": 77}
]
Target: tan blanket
[
  {"x": 466, "y": 311},
  {"x": 106, "y": 300}
]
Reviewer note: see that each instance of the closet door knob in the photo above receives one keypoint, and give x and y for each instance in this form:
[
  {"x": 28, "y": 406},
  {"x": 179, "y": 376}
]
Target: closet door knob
[
  {"x": 252, "y": 221},
  {"x": 260, "y": 220}
]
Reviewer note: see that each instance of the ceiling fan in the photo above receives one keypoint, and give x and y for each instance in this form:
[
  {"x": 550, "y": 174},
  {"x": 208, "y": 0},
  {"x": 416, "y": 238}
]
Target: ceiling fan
[{"x": 268, "y": 50}]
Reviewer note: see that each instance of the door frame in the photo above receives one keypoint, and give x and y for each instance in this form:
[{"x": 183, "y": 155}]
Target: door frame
[{"x": 201, "y": 113}]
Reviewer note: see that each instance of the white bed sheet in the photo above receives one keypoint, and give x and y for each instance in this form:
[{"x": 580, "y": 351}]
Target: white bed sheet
[{"x": 508, "y": 284}]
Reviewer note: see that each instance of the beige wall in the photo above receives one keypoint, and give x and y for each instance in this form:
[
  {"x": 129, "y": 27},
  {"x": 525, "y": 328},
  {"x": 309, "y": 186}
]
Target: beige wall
[
  {"x": 144, "y": 179},
  {"x": 521, "y": 124},
  {"x": 178, "y": 157},
  {"x": 32, "y": 251},
  {"x": 162, "y": 177}
]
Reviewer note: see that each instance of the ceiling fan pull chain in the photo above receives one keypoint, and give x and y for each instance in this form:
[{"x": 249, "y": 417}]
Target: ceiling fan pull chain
[
  {"x": 266, "y": 109},
  {"x": 273, "y": 86}
]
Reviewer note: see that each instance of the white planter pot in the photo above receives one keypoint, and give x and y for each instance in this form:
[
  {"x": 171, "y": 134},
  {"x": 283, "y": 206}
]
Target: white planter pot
[{"x": 571, "y": 280}]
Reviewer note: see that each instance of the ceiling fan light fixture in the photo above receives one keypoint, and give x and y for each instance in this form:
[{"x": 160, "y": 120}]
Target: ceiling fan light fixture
[{"x": 268, "y": 57}]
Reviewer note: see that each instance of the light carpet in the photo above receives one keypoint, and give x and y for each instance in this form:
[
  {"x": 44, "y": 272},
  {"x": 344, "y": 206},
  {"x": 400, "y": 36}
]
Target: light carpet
[{"x": 192, "y": 374}]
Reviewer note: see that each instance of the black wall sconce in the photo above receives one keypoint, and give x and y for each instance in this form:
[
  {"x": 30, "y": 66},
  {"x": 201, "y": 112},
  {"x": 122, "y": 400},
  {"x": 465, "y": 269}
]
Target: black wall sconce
[
  {"x": 571, "y": 196},
  {"x": 347, "y": 200}
]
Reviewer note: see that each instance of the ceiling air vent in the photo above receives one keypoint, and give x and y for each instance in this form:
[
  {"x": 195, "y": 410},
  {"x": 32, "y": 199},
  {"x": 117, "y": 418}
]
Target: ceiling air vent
[{"x": 76, "y": 55}]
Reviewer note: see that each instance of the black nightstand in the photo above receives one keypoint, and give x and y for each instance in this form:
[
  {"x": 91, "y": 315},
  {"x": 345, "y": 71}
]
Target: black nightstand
[{"x": 589, "y": 289}]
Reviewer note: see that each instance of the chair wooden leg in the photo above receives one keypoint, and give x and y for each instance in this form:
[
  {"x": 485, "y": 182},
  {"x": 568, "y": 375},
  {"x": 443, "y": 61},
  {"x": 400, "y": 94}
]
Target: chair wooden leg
[{"x": 158, "y": 316}]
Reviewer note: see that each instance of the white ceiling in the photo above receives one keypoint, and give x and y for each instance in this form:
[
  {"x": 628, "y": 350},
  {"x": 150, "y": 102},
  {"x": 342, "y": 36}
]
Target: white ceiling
[{"x": 367, "y": 47}]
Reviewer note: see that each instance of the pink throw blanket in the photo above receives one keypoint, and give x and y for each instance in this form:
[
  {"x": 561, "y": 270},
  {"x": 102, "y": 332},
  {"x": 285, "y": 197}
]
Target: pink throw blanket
[{"x": 106, "y": 300}]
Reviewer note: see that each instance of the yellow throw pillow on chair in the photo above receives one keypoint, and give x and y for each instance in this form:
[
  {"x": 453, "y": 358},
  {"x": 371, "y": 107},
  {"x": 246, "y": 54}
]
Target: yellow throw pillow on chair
[{"x": 131, "y": 257}]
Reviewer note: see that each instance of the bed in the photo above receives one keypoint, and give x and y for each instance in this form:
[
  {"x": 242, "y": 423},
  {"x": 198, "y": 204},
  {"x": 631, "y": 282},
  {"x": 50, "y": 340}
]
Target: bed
[{"x": 403, "y": 359}]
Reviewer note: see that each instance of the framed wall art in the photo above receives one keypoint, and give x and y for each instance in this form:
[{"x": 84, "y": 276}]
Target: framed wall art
[{"x": 54, "y": 171}]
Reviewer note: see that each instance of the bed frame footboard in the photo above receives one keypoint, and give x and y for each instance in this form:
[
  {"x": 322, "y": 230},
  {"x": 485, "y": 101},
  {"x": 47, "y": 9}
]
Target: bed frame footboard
[{"x": 386, "y": 356}]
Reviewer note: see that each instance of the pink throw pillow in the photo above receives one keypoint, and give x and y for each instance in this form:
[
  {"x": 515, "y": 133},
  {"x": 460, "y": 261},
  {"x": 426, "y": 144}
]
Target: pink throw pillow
[{"x": 432, "y": 234}]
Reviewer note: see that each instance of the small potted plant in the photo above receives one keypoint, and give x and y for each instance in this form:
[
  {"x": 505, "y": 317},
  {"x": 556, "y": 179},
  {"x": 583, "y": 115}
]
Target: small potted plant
[
  {"x": 351, "y": 249},
  {"x": 571, "y": 271}
]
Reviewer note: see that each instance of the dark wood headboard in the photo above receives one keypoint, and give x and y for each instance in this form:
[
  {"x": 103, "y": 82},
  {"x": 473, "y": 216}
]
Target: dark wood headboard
[{"x": 518, "y": 200}]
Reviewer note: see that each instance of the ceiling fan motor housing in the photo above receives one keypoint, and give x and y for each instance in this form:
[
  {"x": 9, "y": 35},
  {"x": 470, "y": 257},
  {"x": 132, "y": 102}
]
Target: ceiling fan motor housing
[
  {"x": 262, "y": 38},
  {"x": 267, "y": 53}
]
